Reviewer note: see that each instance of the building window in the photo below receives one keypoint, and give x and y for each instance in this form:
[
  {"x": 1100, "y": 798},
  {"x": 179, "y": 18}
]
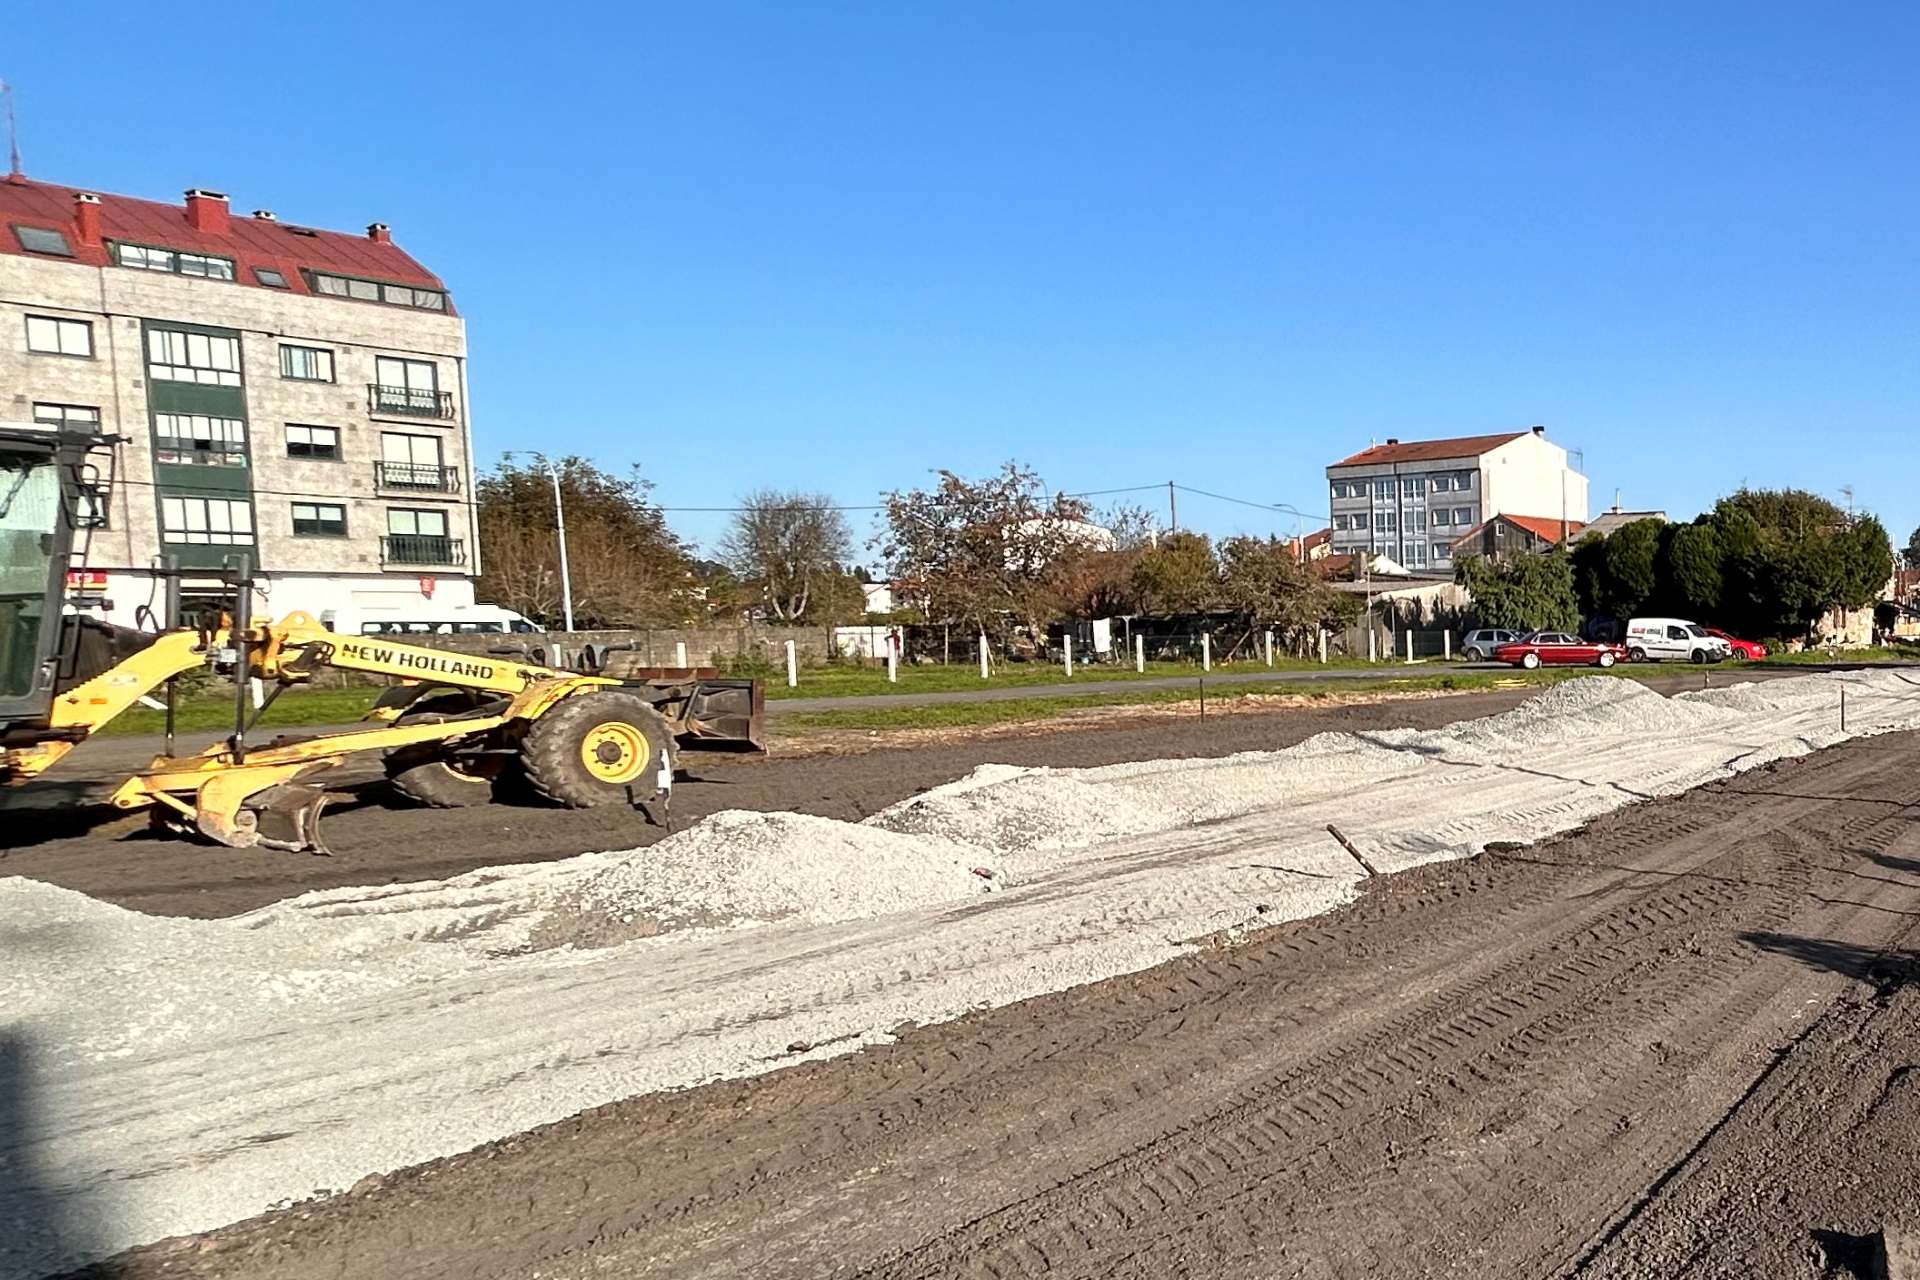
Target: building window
[
  {"x": 1416, "y": 553},
  {"x": 412, "y": 522},
  {"x": 1387, "y": 522},
  {"x": 364, "y": 290},
  {"x": 1383, "y": 490},
  {"x": 67, "y": 417},
  {"x": 217, "y": 522},
  {"x": 208, "y": 359},
  {"x": 269, "y": 277},
  {"x": 43, "y": 240},
  {"x": 410, "y": 462},
  {"x": 1442, "y": 551},
  {"x": 1417, "y": 520},
  {"x": 406, "y": 386},
  {"x": 1360, "y": 520},
  {"x": 313, "y": 442},
  {"x": 1340, "y": 524},
  {"x": 1413, "y": 487},
  {"x": 198, "y": 439},
  {"x": 1462, "y": 517},
  {"x": 319, "y": 520},
  {"x": 306, "y": 364},
  {"x": 178, "y": 262},
  {"x": 52, "y": 336}
]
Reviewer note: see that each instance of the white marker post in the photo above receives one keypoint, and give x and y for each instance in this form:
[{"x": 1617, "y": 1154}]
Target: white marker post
[
  {"x": 1446, "y": 645},
  {"x": 1206, "y": 651},
  {"x": 679, "y": 653},
  {"x": 1373, "y": 645},
  {"x": 984, "y": 673},
  {"x": 893, "y": 661},
  {"x": 1409, "y": 635},
  {"x": 793, "y": 668},
  {"x": 1269, "y": 648},
  {"x": 1140, "y": 654},
  {"x": 1323, "y": 646},
  {"x": 1067, "y": 652}
]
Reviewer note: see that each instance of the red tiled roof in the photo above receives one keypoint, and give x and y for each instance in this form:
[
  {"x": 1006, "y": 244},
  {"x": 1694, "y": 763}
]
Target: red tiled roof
[
  {"x": 1546, "y": 528},
  {"x": 1430, "y": 450},
  {"x": 250, "y": 242}
]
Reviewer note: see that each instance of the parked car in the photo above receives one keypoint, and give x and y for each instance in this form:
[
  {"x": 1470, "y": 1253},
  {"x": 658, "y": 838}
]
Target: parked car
[
  {"x": 1661, "y": 639},
  {"x": 1745, "y": 650},
  {"x": 1479, "y": 645},
  {"x": 1557, "y": 649}
]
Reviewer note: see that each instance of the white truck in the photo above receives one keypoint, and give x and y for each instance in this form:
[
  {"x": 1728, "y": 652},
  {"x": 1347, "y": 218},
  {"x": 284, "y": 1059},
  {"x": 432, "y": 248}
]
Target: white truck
[{"x": 1673, "y": 639}]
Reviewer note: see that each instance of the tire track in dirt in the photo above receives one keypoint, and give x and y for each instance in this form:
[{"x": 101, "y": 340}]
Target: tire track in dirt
[{"x": 1473, "y": 1070}]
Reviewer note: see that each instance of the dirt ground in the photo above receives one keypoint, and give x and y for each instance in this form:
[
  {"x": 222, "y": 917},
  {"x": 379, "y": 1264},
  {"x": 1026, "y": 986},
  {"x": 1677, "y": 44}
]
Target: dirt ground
[{"x": 1680, "y": 1042}]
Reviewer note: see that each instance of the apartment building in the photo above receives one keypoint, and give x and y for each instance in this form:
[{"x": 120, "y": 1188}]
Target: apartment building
[
  {"x": 1411, "y": 501},
  {"x": 288, "y": 394}
]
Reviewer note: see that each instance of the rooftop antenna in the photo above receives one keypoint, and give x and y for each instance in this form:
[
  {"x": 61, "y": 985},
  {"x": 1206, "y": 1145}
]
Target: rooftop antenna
[{"x": 13, "y": 133}]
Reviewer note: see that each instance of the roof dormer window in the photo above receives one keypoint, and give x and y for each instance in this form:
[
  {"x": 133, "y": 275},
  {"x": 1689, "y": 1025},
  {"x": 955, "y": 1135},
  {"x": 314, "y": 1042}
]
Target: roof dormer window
[
  {"x": 177, "y": 262},
  {"x": 43, "y": 240}
]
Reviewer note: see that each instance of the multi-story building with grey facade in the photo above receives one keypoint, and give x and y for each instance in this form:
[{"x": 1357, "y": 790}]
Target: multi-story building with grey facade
[
  {"x": 292, "y": 395},
  {"x": 1412, "y": 501}
]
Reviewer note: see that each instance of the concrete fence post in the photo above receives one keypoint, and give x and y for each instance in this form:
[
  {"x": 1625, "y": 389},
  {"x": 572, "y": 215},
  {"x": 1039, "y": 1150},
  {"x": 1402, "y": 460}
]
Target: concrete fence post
[
  {"x": 984, "y": 673},
  {"x": 1140, "y": 654},
  {"x": 1206, "y": 651},
  {"x": 1446, "y": 645},
  {"x": 1373, "y": 645},
  {"x": 893, "y": 661},
  {"x": 1269, "y": 648},
  {"x": 1408, "y": 633},
  {"x": 679, "y": 653},
  {"x": 793, "y": 667},
  {"x": 1067, "y": 653},
  {"x": 1323, "y": 646}
]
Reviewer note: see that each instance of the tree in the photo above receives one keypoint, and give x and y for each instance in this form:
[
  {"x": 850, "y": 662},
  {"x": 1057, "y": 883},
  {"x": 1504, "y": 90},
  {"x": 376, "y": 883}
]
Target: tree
[
  {"x": 1912, "y": 553},
  {"x": 1177, "y": 575},
  {"x": 1692, "y": 574},
  {"x": 626, "y": 567},
  {"x": 983, "y": 552},
  {"x": 789, "y": 544},
  {"x": 1525, "y": 593},
  {"x": 1260, "y": 579},
  {"x": 1787, "y": 557}
]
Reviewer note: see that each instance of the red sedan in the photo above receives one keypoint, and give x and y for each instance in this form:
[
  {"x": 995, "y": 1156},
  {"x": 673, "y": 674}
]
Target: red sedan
[
  {"x": 1558, "y": 649},
  {"x": 1749, "y": 650}
]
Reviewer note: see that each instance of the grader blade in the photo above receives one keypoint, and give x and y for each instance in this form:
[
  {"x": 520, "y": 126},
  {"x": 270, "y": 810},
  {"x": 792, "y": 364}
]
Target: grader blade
[{"x": 288, "y": 817}]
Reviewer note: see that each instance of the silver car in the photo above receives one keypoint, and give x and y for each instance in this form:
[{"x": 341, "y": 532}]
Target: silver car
[{"x": 1479, "y": 645}]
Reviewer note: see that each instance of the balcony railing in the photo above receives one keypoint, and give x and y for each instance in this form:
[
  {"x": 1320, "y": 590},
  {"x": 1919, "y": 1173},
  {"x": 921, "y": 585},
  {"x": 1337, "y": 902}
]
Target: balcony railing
[
  {"x": 416, "y": 477},
  {"x": 422, "y": 548},
  {"x": 409, "y": 402}
]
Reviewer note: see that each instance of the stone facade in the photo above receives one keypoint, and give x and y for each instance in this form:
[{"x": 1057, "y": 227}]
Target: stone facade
[{"x": 361, "y": 567}]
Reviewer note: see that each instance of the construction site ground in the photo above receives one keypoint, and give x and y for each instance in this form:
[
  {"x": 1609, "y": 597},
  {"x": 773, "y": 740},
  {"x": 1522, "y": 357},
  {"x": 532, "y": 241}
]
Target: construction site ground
[{"x": 1681, "y": 1040}]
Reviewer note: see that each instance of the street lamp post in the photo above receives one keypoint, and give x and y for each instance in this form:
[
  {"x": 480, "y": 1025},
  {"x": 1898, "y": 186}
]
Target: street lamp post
[{"x": 560, "y": 520}]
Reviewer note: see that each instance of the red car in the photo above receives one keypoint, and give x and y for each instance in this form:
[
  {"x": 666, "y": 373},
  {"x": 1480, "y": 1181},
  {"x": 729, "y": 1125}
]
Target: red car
[
  {"x": 1558, "y": 649},
  {"x": 1749, "y": 650}
]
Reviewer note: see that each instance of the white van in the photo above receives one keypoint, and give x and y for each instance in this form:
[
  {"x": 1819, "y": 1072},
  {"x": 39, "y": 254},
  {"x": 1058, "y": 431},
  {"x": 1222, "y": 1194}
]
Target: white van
[
  {"x": 1672, "y": 639},
  {"x": 427, "y": 620}
]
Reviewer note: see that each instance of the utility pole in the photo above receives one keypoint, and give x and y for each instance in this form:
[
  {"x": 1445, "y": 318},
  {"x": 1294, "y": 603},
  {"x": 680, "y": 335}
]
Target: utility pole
[
  {"x": 560, "y": 520},
  {"x": 1173, "y": 510}
]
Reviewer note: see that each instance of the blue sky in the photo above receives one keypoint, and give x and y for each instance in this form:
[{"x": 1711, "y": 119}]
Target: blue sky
[{"x": 836, "y": 246}]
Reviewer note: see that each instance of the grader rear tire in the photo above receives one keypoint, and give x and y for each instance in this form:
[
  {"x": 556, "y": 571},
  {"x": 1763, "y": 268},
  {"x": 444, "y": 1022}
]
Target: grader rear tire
[{"x": 598, "y": 748}]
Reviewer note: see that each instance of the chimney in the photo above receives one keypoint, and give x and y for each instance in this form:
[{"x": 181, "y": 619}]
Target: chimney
[
  {"x": 86, "y": 217},
  {"x": 378, "y": 233},
  {"x": 1539, "y": 431},
  {"x": 1393, "y": 439},
  {"x": 264, "y": 215},
  {"x": 206, "y": 211}
]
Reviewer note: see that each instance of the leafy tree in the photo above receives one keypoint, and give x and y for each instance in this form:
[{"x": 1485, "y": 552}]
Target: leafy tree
[
  {"x": 1177, "y": 575},
  {"x": 1524, "y": 593},
  {"x": 1262, "y": 580},
  {"x": 789, "y": 544},
  {"x": 1912, "y": 553},
  {"x": 1693, "y": 574},
  {"x": 983, "y": 552},
  {"x": 626, "y": 566},
  {"x": 1788, "y": 557}
]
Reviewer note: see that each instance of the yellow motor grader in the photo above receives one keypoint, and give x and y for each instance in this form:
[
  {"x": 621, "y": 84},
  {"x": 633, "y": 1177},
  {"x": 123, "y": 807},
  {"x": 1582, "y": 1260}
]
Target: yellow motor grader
[{"x": 453, "y": 730}]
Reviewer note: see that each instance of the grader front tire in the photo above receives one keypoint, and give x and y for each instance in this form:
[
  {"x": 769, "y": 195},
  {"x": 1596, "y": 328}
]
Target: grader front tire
[{"x": 598, "y": 748}]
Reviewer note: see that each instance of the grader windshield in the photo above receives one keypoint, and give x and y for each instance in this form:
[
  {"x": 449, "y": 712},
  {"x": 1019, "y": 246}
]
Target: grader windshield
[{"x": 35, "y": 535}]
